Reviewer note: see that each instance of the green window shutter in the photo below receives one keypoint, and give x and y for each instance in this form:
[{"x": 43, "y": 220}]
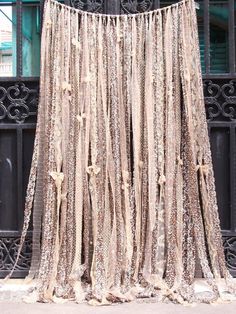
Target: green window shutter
[
  {"x": 201, "y": 43},
  {"x": 219, "y": 50},
  {"x": 219, "y": 43},
  {"x": 30, "y": 41}
]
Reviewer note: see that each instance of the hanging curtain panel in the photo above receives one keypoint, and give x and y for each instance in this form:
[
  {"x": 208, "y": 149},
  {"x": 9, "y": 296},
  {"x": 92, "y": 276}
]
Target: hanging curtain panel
[{"x": 121, "y": 184}]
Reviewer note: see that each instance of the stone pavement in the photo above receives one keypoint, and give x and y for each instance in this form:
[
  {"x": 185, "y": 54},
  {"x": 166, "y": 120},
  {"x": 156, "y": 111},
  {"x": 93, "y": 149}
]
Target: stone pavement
[{"x": 127, "y": 308}]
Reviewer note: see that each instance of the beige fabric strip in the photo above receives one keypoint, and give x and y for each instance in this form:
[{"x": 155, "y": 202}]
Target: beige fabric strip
[{"x": 136, "y": 124}]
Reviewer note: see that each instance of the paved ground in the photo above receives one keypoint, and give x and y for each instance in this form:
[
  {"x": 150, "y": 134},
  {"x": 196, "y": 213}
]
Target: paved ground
[{"x": 128, "y": 308}]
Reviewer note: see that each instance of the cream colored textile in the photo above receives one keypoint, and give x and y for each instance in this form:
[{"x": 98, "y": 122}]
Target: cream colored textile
[{"x": 122, "y": 176}]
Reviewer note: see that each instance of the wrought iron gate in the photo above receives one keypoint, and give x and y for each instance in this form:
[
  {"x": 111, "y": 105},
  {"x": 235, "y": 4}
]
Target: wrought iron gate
[{"x": 18, "y": 111}]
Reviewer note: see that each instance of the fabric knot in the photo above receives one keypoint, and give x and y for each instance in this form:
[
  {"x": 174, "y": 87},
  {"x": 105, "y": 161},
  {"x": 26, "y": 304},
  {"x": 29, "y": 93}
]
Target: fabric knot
[
  {"x": 81, "y": 117},
  {"x": 58, "y": 177},
  {"x": 125, "y": 186},
  {"x": 87, "y": 78},
  {"x": 66, "y": 86},
  {"x": 204, "y": 168},
  {"x": 48, "y": 23},
  {"x": 152, "y": 78},
  {"x": 119, "y": 37},
  {"x": 140, "y": 164},
  {"x": 93, "y": 170},
  {"x": 162, "y": 179},
  {"x": 63, "y": 196},
  {"x": 126, "y": 180},
  {"x": 78, "y": 273},
  {"x": 76, "y": 43},
  {"x": 180, "y": 161}
]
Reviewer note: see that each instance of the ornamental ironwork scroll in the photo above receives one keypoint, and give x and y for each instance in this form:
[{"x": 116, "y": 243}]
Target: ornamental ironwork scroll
[
  {"x": 230, "y": 252},
  {"x": 18, "y": 103},
  {"x": 135, "y": 6},
  {"x": 220, "y": 99},
  {"x": 88, "y": 5},
  {"x": 8, "y": 252}
]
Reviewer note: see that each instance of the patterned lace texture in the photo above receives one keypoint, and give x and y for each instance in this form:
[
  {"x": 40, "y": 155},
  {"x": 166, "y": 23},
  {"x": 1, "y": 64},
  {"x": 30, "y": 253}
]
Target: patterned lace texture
[{"x": 121, "y": 188}]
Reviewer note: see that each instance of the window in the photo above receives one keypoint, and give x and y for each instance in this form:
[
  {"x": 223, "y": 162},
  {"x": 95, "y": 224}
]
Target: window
[
  {"x": 19, "y": 41},
  {"x": 7, "y": 40}
]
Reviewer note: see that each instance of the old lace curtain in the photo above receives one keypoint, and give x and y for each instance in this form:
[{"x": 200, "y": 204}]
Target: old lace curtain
[{"x": 121, "y": 184}]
